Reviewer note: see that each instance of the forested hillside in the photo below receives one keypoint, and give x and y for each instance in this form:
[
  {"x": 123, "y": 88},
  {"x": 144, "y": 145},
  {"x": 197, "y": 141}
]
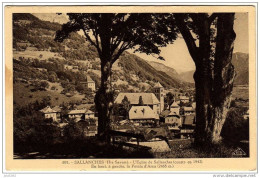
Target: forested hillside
[{"x": 38, "y": 35}]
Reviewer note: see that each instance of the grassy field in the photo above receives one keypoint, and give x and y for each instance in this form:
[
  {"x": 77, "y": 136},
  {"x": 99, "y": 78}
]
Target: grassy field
[
  {"x": 23, "y": 95},
  {"x": 184, "y": 148},
  {"x": 241, "y": 94},
  {"x": 241, "y": 91},
  {"x": 36, "y": 54}
]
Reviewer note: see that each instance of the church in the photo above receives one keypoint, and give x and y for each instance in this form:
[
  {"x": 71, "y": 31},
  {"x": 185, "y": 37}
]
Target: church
[{"x": 154, "y": 100}]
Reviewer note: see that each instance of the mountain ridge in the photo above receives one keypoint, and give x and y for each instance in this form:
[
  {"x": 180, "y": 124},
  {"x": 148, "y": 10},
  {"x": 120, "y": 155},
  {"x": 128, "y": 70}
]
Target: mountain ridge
[{"x": 241, "y": 65}]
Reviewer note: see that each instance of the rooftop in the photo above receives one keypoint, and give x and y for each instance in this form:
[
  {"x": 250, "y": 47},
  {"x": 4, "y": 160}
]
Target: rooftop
[
  {"x": 78, "y": 111},
  {"x": 89, "y": 79},
  {"x": 89, "y": 112},
  {"x": 148, "y": 98},
  {"x": 184, "y": 98},
  {"x": 48, "y": 110},
  {"x": 142, "y": 112},
  {"x": 158, "y": 85},
  {"x": 188, "y": 109},
  {"x": 174, "y": 104},
  {"x": 189, "y": 120}
]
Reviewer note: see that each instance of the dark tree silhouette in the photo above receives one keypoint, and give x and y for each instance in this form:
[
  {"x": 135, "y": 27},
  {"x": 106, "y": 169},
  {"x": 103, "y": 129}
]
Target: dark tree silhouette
[
  {"x": 126, "y": 105},
  {"x": 112, "y": 34},
  {"x": 169, "y": 99},
  {"x": 214, "y": 75}
]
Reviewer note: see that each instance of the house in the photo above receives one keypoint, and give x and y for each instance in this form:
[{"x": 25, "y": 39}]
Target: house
[
  {"x": 58, "y": 113},
  {"x": 68, "y": 67},
  {"x": 77, "y": 114},
  {"x": 188, "y": 110},
  {"x": 173, "y": 121},
  {"x": 75, "y": 67},
  {"x": 50, "y": 113},
  {"x": 89, "y": 83},
  {"x": 175, "y": 108},
  {"x": 143, "y": 116},
  {"x": 86, "y": 63},
  {"x": 87, "y": 129},
  {"x": 188, "y": 126},
  {"x": 85, "y": 115},
  {"x": 184, "y": 99},
  {"x": 89, "y": 115}
]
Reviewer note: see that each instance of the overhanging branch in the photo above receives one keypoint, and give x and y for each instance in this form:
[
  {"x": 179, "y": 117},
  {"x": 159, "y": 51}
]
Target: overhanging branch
[
  {"x": 91, "y": 41},
  {"x": 190, "y": 41},
  {"x": 212, "y": 17}
]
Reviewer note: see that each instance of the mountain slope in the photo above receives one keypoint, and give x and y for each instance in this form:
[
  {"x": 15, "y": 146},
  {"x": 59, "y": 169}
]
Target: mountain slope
[
  {"x": 241, "y": 64},
  {"x": 40, "y": 35},
  {"x": 134, "y": 64},
  {"x": 187, "y": 76},
  {"x": 168, "y": 70}
]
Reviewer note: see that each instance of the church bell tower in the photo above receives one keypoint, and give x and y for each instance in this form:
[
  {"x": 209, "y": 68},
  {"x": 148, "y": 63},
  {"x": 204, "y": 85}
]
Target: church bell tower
[{"x": 159, "y": 93}]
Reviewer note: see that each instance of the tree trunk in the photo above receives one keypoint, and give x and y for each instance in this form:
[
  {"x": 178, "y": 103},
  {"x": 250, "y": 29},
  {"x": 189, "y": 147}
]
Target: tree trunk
[
  {"x": 213, "y": 92},
  {"x": 104, "y": 96},
  {"x": 224, "y": 73},
  {"x": 103, "y": 101},
  {"x": 213, "y": 78}
]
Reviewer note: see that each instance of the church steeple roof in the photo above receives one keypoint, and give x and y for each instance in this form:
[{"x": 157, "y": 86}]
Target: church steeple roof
[{"x": 158, "y": 85}]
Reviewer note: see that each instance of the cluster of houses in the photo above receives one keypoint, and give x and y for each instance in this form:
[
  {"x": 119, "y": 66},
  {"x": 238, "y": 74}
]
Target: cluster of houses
[
  {"x": 77, "y": 115},
  {"x": 149, "y": 113},
  {"x": 180, "y": 120}
]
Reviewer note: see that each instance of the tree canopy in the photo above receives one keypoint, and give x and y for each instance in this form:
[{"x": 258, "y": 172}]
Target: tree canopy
[{"x": 142, "y": 32}]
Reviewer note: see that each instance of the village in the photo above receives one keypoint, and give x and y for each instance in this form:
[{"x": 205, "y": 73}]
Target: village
[{"x": 147, "y": 113}]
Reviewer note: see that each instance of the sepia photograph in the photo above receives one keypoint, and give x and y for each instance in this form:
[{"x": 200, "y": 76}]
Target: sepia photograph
[{"x": 138, "y": 85}]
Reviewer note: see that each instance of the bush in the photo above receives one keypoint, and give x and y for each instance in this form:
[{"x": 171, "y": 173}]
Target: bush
[
  {"x": 34, "y": 133},
  {"x": 236, "y": 128}
]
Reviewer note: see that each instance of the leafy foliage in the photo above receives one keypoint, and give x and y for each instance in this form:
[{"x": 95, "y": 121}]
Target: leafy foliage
[{"x": 126, "y": 31}]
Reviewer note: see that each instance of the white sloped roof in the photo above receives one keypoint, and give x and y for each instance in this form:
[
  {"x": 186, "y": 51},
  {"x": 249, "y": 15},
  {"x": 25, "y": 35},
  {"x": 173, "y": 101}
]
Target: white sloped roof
[
  {"x": 174, "y": 104},
  {"x": 89, "y": 112},
  {"x": 142, "y": 112},
  {"x": 78, "y": 111},
  {"x": 48, "y": 110}
]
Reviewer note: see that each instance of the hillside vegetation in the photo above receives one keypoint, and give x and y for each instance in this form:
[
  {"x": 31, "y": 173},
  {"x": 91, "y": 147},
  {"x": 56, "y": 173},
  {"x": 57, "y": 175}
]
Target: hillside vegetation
[{"x": 34, "y": 40}]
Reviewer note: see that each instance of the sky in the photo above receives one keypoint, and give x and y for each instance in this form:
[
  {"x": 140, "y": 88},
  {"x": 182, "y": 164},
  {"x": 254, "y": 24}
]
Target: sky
[{"x": 176, "y": 55}]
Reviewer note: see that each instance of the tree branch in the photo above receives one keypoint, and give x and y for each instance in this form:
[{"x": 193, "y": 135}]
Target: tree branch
[
  {"x": 89, "y": 39},
  {"x": 97, "y": 41},
  {"x": 122, "y": 48},
  {"x": 212, "y": 17},
  {"x": 190, "y": 41}
]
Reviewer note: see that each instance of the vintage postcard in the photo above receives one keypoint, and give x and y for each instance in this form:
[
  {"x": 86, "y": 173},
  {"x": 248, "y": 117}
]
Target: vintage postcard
[{"x": 130, "y": 88}]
